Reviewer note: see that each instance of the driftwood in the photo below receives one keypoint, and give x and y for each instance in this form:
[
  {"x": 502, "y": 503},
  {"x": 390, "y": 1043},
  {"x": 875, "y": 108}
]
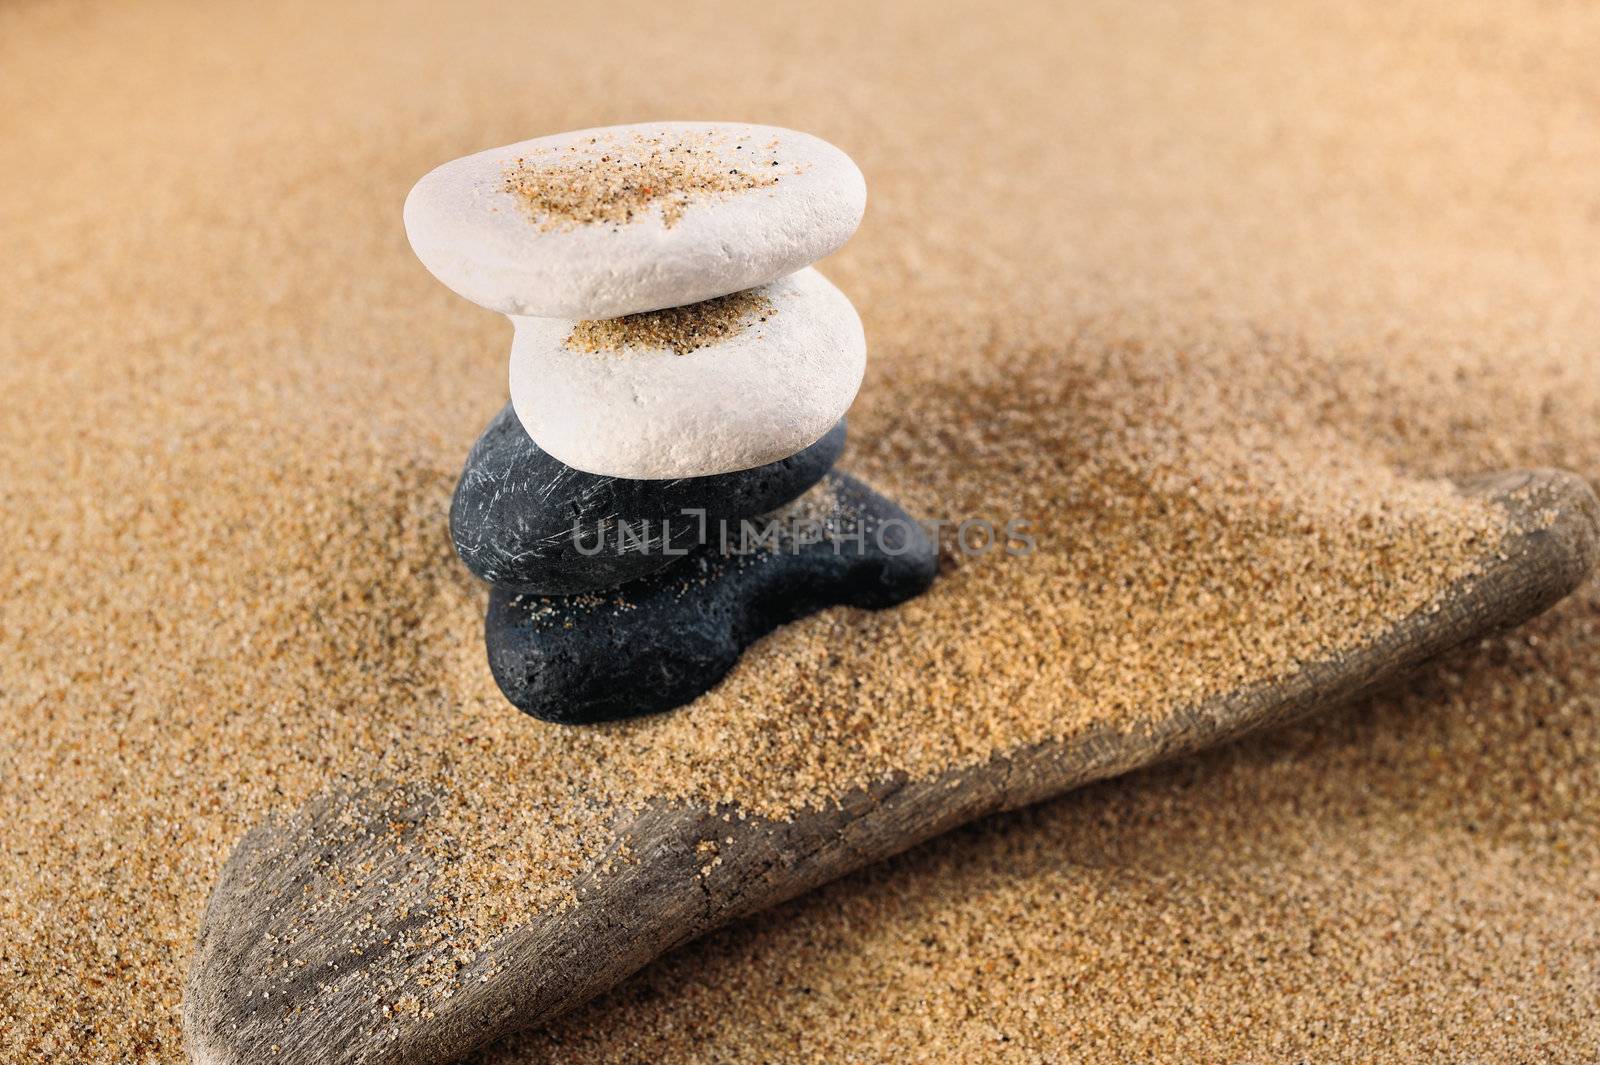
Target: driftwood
[{"x": 634, "y": 912}]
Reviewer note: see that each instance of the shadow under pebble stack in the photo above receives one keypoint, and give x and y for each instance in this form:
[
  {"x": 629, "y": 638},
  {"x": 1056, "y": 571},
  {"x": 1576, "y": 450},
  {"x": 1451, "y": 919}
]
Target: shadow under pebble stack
[{"x": 660, "y": 492}]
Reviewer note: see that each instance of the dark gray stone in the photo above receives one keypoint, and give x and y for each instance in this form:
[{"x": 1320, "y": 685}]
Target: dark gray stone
[
  {"x": 523, "y": 520},
  {"x": 665, "y": 639}
]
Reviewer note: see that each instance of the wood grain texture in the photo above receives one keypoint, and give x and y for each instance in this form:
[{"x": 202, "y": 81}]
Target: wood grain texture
[{"x": 241, "y": 1007}]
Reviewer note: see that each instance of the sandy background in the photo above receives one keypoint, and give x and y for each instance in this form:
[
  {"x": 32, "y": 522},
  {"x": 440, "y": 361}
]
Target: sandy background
[{"x": 1378, "y": 218}]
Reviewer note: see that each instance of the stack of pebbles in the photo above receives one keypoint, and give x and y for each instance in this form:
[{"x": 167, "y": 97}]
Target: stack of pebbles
[{"x": 660, "y": 493}]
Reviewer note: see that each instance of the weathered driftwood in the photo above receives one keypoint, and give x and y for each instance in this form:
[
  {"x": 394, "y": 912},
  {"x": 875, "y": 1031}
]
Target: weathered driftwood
[{"x": 636, "y": 911}]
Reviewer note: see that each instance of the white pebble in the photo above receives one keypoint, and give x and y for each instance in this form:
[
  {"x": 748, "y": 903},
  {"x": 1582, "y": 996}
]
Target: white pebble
[
  {"x": 771, "y": 389},
  {"x": 682, "y": 245}
]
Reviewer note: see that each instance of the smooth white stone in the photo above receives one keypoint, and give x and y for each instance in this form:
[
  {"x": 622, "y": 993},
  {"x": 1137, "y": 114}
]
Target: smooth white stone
[
  {"x": 481, "y": 240},
  {"x": 768, "y": 391}
]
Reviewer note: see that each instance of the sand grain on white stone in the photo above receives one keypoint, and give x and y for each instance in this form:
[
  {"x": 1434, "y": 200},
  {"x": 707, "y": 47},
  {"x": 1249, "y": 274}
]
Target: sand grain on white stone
[
  {"x": 605, "y": 222},
  {"x": 787, "y": 373}
]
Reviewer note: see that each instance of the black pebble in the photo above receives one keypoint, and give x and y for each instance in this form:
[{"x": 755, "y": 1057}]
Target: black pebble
[
  {"x": 666, "y": 639},
  {"x": 519, "y": 516}
]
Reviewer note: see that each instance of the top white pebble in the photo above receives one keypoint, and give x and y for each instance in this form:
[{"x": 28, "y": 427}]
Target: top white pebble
[{"x": 605, "y": 222}]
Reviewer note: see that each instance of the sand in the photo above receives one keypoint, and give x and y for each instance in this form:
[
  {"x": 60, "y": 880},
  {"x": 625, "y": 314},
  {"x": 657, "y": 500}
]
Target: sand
[
  {"x": 611, "y": 179},
  {"x": 1223, "y": 289},
  {"x": 678, "y": 329}
]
